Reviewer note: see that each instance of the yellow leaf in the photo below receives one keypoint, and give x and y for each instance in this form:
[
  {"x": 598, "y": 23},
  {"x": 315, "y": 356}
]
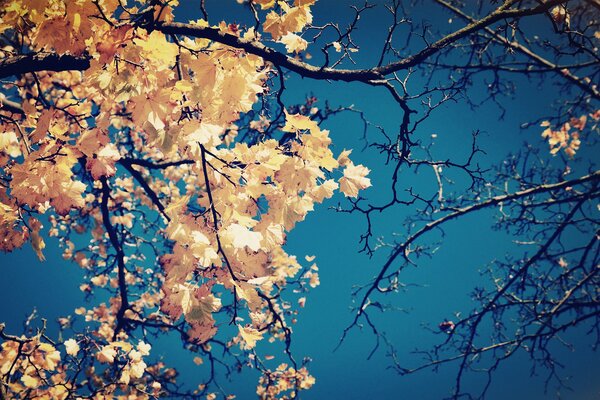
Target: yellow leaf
[
  {"x": 156, "y": 48},
  {"x": 107, "y": 354},
  {"x": 38, "y": 245},
  {"x": 9, "y": 144},
  {"x": 247, "y": 292},
  {"x": 72, "y": 347},
  {"x": 137, "y": 369},
  {"x": 298, "y": 122},
  {"x": 240, "y": 236},
  {"x": 354, "y": 179},
  {"x": 264, "y": 4},
  {"x": 30, "y": 381},
  {"x": 293, "y": 43},
  {"x": 293, "y": 19},
  {"x": 144, "y": 348},
  {"x": 250, "y": 336},
  {"x": 125, "y": 377}
]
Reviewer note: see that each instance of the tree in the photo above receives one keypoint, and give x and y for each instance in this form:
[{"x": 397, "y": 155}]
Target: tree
[{"x": 168, "y": 146}]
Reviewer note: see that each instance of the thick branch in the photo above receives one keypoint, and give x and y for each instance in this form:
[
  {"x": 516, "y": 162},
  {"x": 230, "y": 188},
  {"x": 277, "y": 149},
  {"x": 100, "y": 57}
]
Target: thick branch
[
  {"x": 11, "y": 106},
  {"x": 268, "y": 54},
  {"x": 121, "y": 269},
  {"x": 497, "y": 200},
  {"x": 42, "y": 62},
  {"x": 362, "y": 75},
  {"x": 160, "y": 165},
  {"x": 215, "y": 217},
  {"x": 54, "y": 62}
]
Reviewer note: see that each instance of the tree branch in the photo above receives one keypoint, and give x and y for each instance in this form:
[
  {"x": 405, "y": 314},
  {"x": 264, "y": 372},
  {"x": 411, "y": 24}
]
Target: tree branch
[
  {"x": 21, "y": 64},
  {"x": 560, "y": 70},
  {"x": 138, "y": 177},
  {"x": 268, "y": 54},
  {"x": 349, "y": 75},
  {"x": 11, "y": 106},
  {"x": 114, "y": 240},
  {"x": 402, "y": 248}
]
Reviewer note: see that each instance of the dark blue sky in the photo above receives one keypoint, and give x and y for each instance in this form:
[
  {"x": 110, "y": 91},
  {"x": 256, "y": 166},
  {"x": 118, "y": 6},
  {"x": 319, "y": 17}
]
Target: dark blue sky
[{"x": 447, "y": 278}]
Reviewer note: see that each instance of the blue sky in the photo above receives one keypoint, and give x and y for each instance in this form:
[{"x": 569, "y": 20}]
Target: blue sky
[{"x": 447, "y": 278}]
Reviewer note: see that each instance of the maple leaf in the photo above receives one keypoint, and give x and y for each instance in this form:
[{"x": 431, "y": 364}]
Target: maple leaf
[
  {"x": 68, "y": 197},
  {"x": 203, "y": 133},
  {"x": 293, "y": 43},
  {"x": 250, "y": 337},
  {"x": 107, "y": 354},
  {"x": 240, "y": 236},
  {"x": 137, "y": 368},
  {"x": 30, "y": 381},
  {"x": 354, "y": 179},
  {"x": 264, "y": 4},
  {"x": 102, "y": 163},
  {"x": 324, "y": 190},
  {"x": 152, "y": 108},
  {"x": 38, "y": 244},
  {"x": 344, "y": 158},
  {"x": 298, "y": 122},
  {"x": 196, "y": 303},
  {"x": 51, "y": 357},
  {"x": 144, "y": 348},
  {"x": 201, "y": 332},
  {"x": 274, "y": 235},
  {"x": 156, "y": 48},
  {"x": 248, "y": 293},
  {"x": 108, "y": 46},
  {"x": 9, "y": 144},
  {"x": 71, "y": 347},
  {"x": 293, "y": 19},
  {"x": 125, "y": 377},
  {"x": 202, "y": 309},
  {"x": 42, "y": 126},
  {"x": 202, "y": 249},
  {"x": 259, "y": 281}
]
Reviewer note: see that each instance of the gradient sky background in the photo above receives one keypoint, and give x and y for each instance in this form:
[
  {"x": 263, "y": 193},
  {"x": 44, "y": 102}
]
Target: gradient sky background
[{"x": 449, "y": 277}]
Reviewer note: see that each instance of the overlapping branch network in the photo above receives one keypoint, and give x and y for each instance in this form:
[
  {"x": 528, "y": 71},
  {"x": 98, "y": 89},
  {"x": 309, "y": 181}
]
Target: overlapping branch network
[{"x": 170, "y": 144}]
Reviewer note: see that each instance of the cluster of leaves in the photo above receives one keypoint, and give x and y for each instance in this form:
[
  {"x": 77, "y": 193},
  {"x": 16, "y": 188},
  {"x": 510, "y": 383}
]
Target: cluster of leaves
[
  {"x": 142, "y": 153},
  {"x": 568, "y": 136}
]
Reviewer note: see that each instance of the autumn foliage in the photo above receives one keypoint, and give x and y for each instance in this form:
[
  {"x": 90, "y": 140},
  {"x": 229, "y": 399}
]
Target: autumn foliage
[
  {"x": 159, "y": 151},
  {"x": 185, "y": 220}
]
